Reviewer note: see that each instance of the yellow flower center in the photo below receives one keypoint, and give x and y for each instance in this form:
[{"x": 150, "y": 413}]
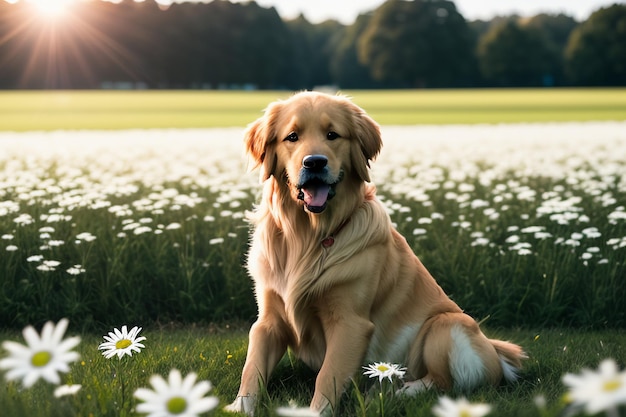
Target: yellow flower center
[
  {"x": 40, "y": 359},
  {"x": 123, "y": 344},
  {"x": 176, "y": 405},
  {"x": 465, "y": 413},
  {"x": 612, "y": 385},
  {"x": 382, "y": 368}
]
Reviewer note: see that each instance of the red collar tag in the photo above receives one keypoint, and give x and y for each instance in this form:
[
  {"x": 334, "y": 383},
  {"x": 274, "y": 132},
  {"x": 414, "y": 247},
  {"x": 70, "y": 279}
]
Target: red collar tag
[{"x": 328, "y": 242}]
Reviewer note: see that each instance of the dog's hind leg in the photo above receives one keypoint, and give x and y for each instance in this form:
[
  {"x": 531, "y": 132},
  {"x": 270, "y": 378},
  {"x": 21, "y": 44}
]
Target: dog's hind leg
[{"x": 451, "y": 352}]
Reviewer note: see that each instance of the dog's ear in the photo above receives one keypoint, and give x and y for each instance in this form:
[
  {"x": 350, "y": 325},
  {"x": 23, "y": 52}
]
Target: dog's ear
[
  {"x": 368, "y": 143},
  {"x": 259, "y": 140}
]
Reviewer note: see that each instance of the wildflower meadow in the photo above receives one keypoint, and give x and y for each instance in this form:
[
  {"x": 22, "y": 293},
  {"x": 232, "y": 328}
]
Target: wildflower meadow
[{"x": 123, "y": 291}]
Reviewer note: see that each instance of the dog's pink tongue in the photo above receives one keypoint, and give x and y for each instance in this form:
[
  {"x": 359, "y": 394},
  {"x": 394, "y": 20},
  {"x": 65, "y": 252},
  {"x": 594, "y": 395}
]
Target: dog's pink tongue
[{"x": 316, "y": 195}]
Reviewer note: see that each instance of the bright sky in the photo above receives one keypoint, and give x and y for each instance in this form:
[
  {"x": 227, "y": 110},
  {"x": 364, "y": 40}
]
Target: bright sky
[{"x": 347, "y": 10}]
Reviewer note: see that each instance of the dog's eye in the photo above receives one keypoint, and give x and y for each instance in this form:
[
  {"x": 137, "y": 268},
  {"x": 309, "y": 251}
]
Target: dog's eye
[
  {"x": 292, "y": 137},
  {"x": 332, "y": 135}
]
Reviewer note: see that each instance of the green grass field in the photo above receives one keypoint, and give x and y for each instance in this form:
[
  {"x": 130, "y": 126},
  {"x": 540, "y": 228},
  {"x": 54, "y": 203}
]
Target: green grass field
[
  {"x": 147, "y": 228},
  {"x": 52, "y": 110},
  {"x": 217, "y": 355}
]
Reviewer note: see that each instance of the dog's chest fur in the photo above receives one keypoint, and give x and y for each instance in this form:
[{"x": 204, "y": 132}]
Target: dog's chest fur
[
  {"x": 294, "y": 275},
  {"x": 290, "y": 260}
]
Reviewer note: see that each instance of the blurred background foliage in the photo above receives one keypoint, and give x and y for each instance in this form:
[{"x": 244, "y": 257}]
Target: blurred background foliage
[{"x": 402, "y": 44}]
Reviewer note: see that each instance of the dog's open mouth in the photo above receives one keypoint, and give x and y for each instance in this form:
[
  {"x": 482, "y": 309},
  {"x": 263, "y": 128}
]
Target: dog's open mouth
[{"x": 315, "y": 193}]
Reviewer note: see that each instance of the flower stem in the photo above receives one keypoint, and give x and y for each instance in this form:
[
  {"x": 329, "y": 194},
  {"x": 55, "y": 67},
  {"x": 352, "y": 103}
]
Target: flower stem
[{"x": 119, "y": 374}]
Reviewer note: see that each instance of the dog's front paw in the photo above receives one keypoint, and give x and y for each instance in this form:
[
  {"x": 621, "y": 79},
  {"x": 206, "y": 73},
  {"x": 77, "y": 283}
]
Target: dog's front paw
[{"x": 242, "y": 404}]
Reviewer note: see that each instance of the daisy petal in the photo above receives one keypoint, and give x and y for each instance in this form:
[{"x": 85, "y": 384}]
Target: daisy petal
[
  {"x": 57, "y": 332},
  {"x": 158, "y": 402},
  {"x": 31, "y": 336}
]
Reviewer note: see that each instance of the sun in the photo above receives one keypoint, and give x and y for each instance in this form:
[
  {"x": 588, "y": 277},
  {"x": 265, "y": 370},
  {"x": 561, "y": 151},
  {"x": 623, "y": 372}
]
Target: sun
[{"x": 51, "y": 8}]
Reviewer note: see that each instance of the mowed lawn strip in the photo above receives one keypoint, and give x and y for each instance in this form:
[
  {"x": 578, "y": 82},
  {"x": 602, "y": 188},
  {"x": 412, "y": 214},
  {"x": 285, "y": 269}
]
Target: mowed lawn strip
[{"x": 77, "y": 110}]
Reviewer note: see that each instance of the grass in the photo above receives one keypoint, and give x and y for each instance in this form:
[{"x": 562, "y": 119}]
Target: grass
[
  {"x": 406, "y": 107},
  {"x": 110, "y": 110},
  {"x": 217, "y": 355},
  {"x": 52, "y": 110}
]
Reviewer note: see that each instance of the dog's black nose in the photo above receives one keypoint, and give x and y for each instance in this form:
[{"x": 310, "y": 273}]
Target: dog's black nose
[{"x": 314, "y": 162}]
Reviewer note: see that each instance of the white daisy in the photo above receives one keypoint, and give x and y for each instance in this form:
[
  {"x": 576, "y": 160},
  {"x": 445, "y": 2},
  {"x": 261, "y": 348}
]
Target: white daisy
[
  {"x": 597, "y": 391},
  {"x": 75, "y": 270},
  {"x": 86, "y": 236},
  {"x": 175, "y": 397},
  {"x": 384, "y": 370},
  {"x": 70, "y": 389},
  {"x": 43, "y": 357},
  {"x": 122, "y": 343},
  {"x": 446, "y": 407}
]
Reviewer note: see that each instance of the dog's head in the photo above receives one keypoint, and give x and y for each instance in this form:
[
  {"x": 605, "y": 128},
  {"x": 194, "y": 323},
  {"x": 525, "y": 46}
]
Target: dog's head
[{"x": 313, "y": 142}]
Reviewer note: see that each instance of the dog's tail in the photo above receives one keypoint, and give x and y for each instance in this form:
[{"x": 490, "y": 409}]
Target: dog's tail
[{"x": 511, "y": 357}]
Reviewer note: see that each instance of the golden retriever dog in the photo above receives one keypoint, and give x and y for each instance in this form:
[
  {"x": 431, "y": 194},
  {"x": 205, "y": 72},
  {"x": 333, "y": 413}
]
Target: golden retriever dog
[{"x": 334, "y": 281}]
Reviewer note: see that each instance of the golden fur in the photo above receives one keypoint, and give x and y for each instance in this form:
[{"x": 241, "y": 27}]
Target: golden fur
[{"x": 334, "y": 281}]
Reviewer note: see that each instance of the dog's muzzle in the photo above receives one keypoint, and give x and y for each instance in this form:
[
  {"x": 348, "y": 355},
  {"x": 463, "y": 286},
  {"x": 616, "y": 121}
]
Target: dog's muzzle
[{"x": 315, "y": 184}]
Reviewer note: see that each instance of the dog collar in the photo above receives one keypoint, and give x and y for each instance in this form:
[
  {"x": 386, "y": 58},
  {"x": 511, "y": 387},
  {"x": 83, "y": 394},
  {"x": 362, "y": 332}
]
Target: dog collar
[{"x": 329, "y": 240}]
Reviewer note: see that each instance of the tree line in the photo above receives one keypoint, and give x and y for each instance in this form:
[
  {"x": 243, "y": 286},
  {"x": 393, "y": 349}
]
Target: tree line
[{"x": 402, "y": 44}]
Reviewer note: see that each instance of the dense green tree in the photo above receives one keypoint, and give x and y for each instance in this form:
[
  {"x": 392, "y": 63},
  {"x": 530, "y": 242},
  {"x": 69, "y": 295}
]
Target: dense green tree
[
  {"x": 513, "y": 55},
  {"x": 312, "y": 48},
  {"x": 345, "y": 67},
  {"x": 189, "y": 45},
  {"x": 10, "y": 59},
  {"x": 258, "y": 44},
  {"x": 596, "y": 51},
  {"x": 555, "y": 30},
  {"x": 417, "y": 43},
  {"x": 480, "y": 27}
]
